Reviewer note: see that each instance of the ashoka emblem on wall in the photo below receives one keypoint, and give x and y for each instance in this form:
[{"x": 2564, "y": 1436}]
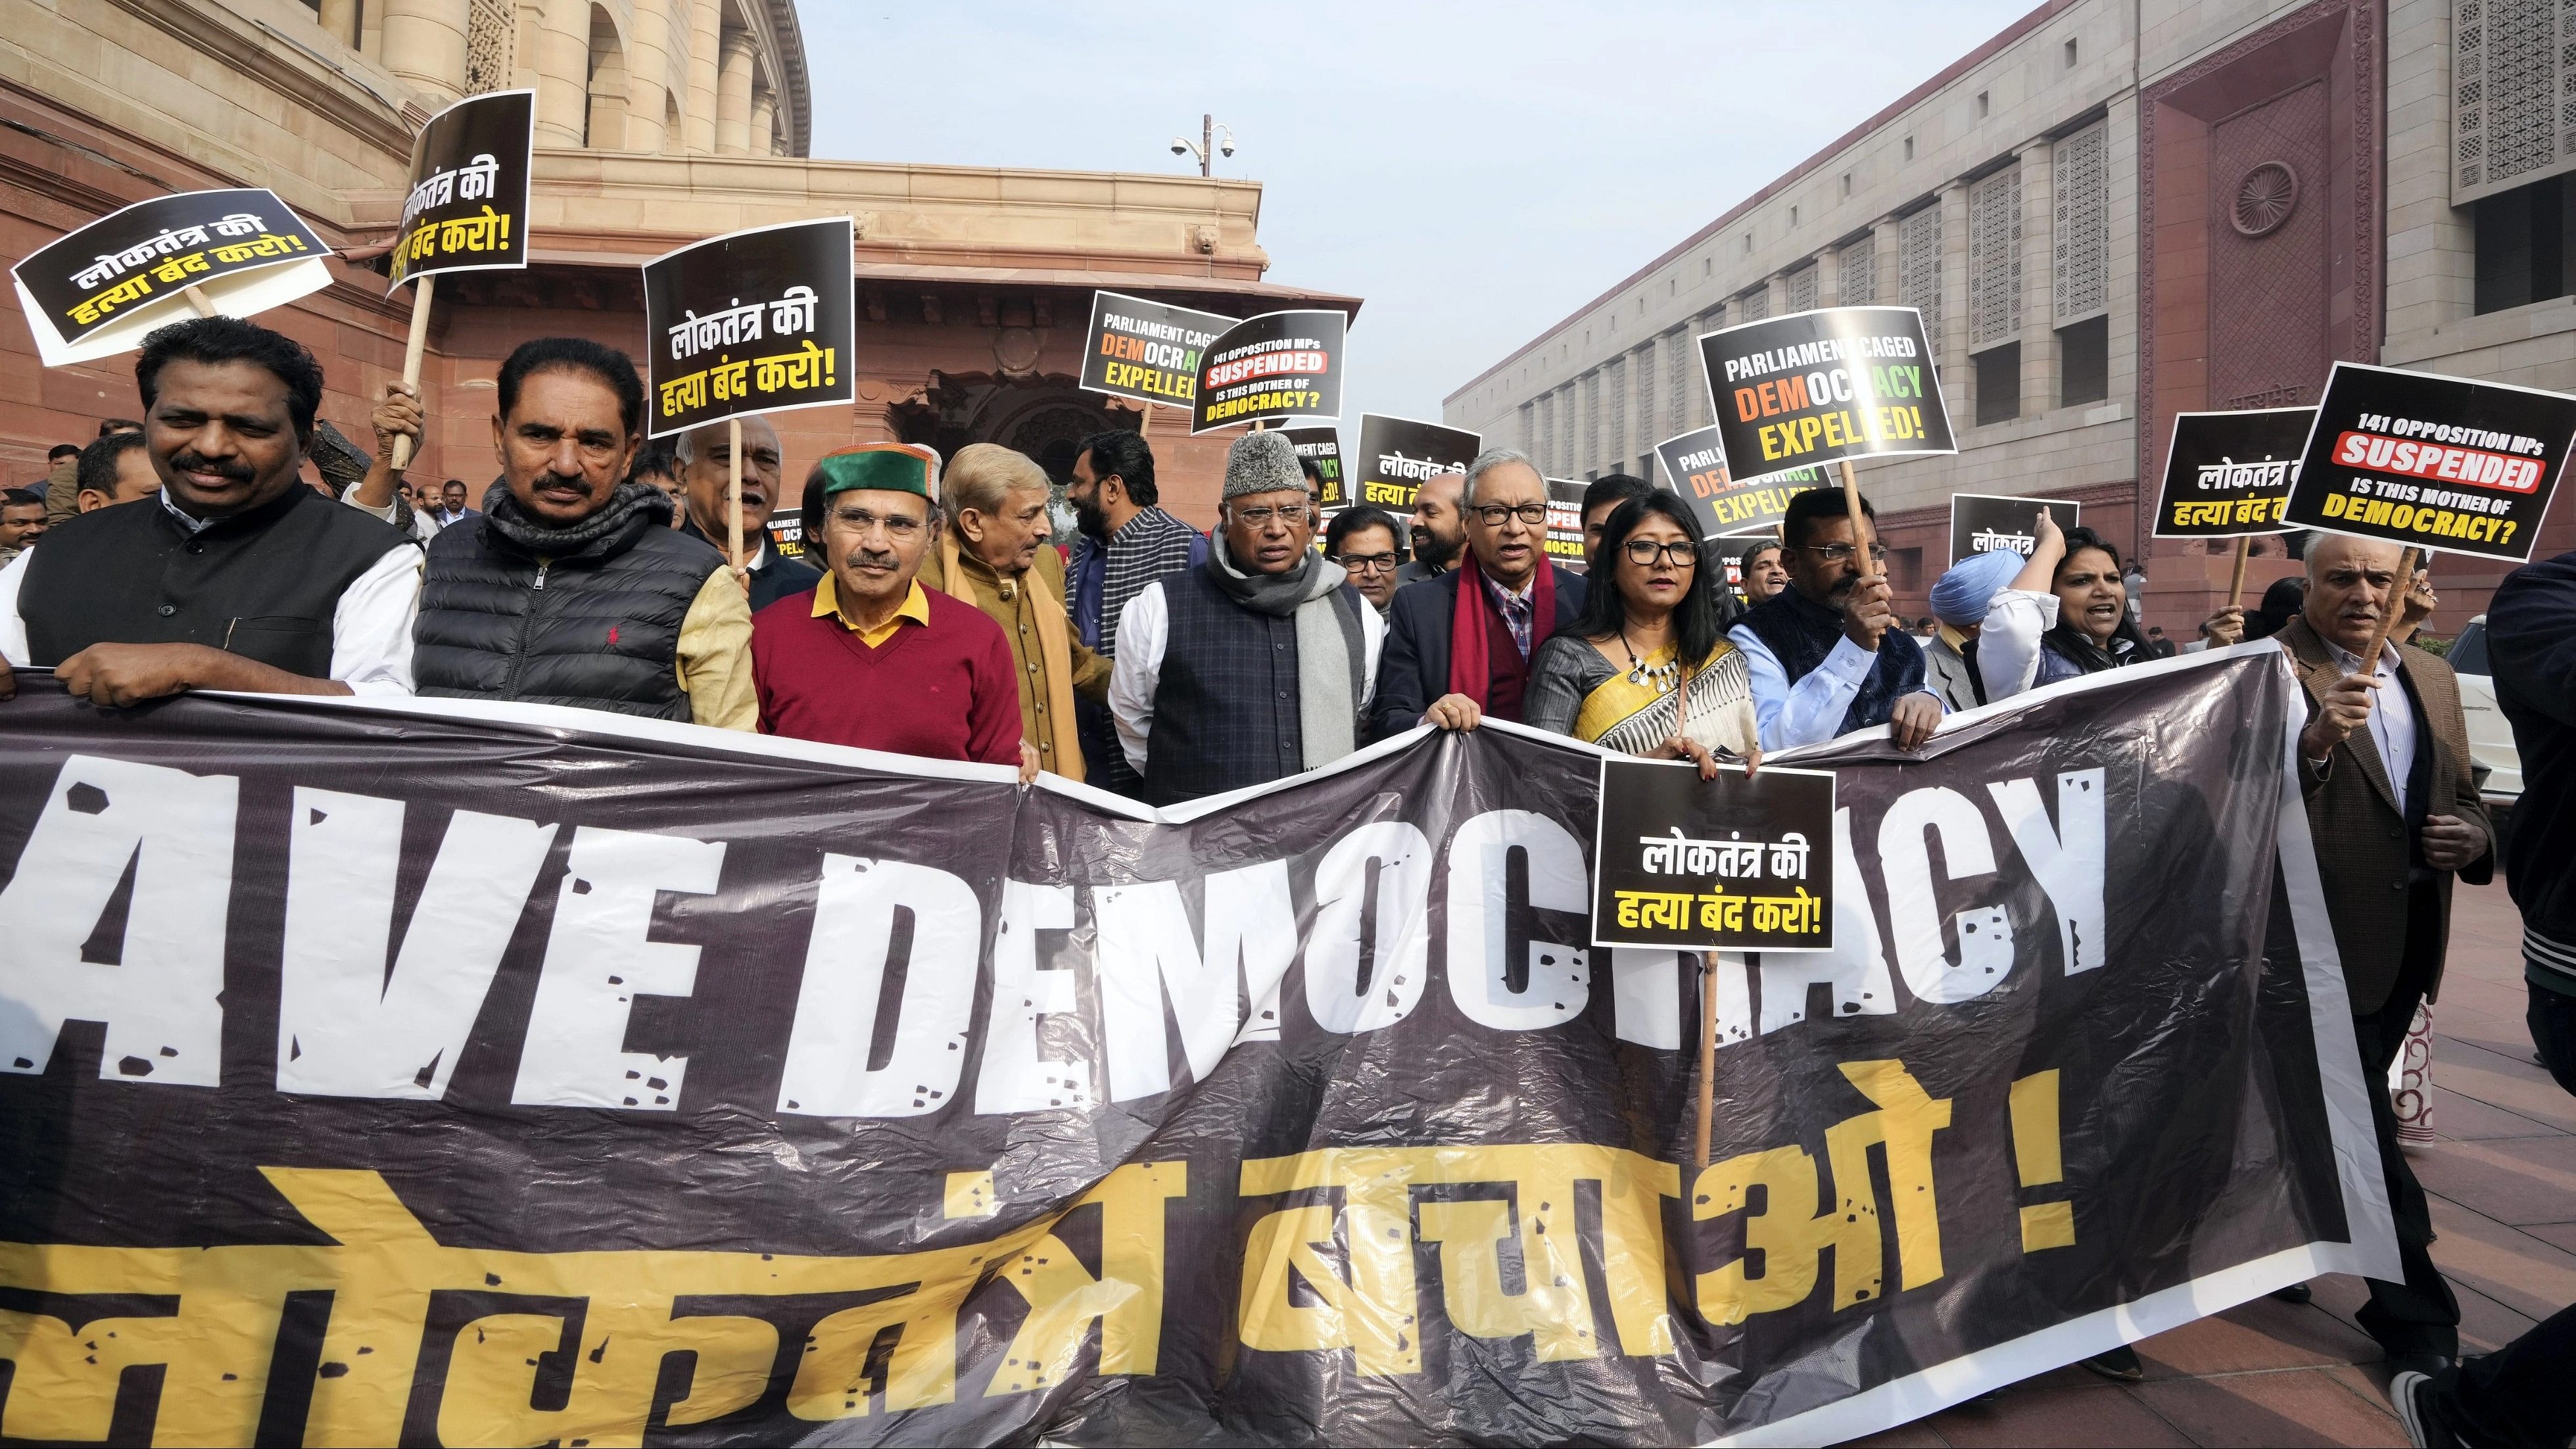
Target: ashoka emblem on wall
[{"x": 2264, "y": 199}]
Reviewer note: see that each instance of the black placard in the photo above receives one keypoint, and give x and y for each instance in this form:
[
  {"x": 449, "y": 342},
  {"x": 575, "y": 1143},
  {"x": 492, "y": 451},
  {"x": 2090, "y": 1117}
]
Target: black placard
[
  {"x": 1397, "y": 455},
  {"x": 2229, "y": 474},
  {"x": 755, "y": 321},
  {"x": 1844, "y": 382},
  {"x": 1147, "y": 351},
  {"x": 2433, "y": 462},
  {"x": 1323, "y": 447},
  {"x": 1741, "y": 862},
  {"x": 97, "y": 291},
  {"x": 468, "y": 207},
  {"x": 1564, "y": 543},
  {"x": 1695, "y": 468},
  {"x": 1987, "y": 522},
  {"x": 1276, "y": 366}
]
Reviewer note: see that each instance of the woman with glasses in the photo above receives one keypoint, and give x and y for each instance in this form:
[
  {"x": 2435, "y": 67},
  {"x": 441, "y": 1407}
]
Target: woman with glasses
[
  {"x": 1645, "y": 669},
  {"x": 2066, "y": 614}
]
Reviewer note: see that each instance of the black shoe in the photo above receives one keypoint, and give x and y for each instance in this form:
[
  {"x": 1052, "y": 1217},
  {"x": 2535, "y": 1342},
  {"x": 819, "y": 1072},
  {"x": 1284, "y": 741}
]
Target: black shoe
[
  {"x": 2295, "y": 1293},
  {"x": 2407, "y": 1394},
  {"x": 2426, "y": 1364},
  {"x": 2120, "y": 1363}
]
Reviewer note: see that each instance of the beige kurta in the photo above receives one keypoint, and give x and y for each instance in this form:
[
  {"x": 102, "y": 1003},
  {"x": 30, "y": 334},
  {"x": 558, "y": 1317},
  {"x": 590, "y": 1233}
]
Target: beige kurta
[{"x": 1053, "y": 666}]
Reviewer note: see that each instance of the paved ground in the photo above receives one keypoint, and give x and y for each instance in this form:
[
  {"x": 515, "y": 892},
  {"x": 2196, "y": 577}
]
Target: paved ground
[{"x": 2503, "y": 1180}]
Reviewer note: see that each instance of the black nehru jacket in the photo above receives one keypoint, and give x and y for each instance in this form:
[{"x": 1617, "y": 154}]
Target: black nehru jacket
[{"x": 263, "y": 583}]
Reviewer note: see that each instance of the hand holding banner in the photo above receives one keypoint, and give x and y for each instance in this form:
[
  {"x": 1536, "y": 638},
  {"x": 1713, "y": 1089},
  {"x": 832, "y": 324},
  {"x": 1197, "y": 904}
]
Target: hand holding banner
[{"x": 96, "y": 292}]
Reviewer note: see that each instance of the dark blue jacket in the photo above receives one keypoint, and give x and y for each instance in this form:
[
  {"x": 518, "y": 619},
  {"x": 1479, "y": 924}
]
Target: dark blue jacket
[
  {"x": 2531, "y": 645},
  {"x": 1413, "y": 669}
]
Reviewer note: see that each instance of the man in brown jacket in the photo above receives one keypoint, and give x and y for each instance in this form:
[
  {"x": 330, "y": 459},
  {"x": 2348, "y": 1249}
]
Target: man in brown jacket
[
  {"x": 2384, "y": 764},
  {"x": 994, "y": 553}
]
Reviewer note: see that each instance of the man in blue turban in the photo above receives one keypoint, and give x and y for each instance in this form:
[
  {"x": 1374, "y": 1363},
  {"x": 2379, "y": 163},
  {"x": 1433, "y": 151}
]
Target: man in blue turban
[{"x": 1959, "y": 601}]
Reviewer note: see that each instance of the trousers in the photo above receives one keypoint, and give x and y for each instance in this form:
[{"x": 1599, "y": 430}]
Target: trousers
[
  {"x": 2418, "y": 1315},
  {"x": 2517, "y": 1396}
]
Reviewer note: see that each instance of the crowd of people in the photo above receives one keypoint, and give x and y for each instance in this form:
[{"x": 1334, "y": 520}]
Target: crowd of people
[{"x": 933, "y": 616}]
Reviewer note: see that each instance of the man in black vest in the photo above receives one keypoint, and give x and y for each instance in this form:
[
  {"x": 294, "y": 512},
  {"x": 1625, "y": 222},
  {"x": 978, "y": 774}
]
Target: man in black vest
[
  {"x": 1826, "y": 653},
  {"x": 1256, "y": 664},
  {"x": 237, "y": 576},
  {"x": 571, "y": 587}
]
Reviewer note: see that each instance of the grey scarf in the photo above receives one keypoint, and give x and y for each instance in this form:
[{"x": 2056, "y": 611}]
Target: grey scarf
[{"x": 1329, "y": 649}]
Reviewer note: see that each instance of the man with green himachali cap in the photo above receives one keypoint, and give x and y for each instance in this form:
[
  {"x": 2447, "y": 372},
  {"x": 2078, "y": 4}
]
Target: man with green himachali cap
[{"x": 870, "y": 658}]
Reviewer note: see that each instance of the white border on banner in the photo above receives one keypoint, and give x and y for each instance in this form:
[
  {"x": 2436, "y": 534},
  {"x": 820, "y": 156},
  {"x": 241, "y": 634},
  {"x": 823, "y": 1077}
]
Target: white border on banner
[
  {"x": 1190, "y": 407},
  {"x": 527, "y": 168},
  {"x": 2173, "y": 436},
  {"x": 849, "y": 369},
  {"x": 1930, "y": 364}
]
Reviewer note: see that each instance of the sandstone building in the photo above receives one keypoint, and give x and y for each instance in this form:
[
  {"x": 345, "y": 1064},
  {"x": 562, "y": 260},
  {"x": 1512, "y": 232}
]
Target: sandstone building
[
  {"x": 2116, "y": 210},
  {"x": 659, "y": 122}
]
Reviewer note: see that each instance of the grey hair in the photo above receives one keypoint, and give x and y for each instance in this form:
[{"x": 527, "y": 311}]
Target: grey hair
[
  {"x": 684, "y": 450},
  {"x": 1487, "y": 461},
  {"x": 983, "y": 475}
]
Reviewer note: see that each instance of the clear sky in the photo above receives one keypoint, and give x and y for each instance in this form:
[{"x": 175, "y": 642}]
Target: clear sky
[{"x": 1473, "y": 172}]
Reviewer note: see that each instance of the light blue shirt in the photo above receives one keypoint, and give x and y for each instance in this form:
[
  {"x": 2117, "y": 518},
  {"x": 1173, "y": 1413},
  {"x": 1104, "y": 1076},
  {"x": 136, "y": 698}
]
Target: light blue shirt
[{"x": 1811, "y": 710}]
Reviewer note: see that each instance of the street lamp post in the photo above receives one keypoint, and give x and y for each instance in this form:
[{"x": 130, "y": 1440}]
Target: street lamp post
[{"x": 1207, "y": 147}]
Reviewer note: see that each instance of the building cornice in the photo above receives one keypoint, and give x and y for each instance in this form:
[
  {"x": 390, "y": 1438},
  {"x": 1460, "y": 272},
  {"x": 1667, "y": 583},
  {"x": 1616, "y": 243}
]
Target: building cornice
[
  {"x": 790, "y": 39},
  {"x": 265, "y": 54}
]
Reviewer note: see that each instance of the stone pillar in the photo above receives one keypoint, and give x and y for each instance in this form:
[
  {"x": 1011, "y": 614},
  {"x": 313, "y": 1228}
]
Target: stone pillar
[
  {"x": 733, "y": 94},
  {"x": 1951, "y": 345},
  {"x": 424, "y": 43},
  {"x": 705, "y": 34},
  {"x": 339, "y": 19},
  {"x": 764, "y": 123},
  {"x": 560, "y": 54},
  {"x": 648, "y": 76}
]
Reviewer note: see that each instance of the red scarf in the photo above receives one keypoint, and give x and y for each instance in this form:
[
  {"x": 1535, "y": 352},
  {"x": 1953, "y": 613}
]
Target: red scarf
[{"x": 1469, "y": 649}]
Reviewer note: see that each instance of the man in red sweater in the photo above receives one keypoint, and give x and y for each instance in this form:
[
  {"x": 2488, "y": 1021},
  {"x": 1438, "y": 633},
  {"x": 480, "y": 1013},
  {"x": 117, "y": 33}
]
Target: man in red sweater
[{"x": 869, "y": 657}]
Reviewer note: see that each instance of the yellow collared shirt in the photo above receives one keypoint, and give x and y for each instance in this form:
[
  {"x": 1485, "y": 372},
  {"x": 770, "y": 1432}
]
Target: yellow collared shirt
[{"x": 916, "y": 607}]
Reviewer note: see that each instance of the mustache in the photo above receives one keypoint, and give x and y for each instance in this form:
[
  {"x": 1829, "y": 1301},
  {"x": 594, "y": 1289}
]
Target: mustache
[
  {"x": 192, "y": 462},
  {"x": 873, "y": 558}
]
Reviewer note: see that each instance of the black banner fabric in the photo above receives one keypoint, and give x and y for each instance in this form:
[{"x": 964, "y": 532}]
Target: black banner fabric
[
  {"x": 1814, "y": 387},
  {"x": 1668, "y": 849},
  {"x": 1323, "y": 448},
  {"x": 2229, "y": 474},
  {"x": 1271, "y": 368},
  {"x": 489, "y": 1074},
  {"x": 98, "y": 290},
  {"x": 1695, "y": 468},
  {"x": 1147, "y": 351},
  {"x": 1398, "y": 454},
  {"x": 1991, "y": 523},
  {"x": 468, "y": 208},
  {"x": 2434, "y": 462},
  {"x": 779, "y": 296}
]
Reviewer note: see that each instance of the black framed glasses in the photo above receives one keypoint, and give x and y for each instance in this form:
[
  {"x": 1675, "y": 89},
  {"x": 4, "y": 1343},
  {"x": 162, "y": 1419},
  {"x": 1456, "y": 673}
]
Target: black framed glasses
[
  {"x": 1493, "y": 514},
  {"x": 1370, "y": 563},
  {"x": 1262, "y": 516},
  {"x": 1842, "y": 552},
  {"x": 1682, "y": 554}
]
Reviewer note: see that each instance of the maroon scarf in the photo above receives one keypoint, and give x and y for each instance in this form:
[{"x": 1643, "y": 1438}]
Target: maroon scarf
[{"x": 1469, "y": 648}]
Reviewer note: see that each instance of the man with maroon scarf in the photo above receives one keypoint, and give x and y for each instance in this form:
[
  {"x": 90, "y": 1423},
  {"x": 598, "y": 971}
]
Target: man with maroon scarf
[{"x": 1458, "y": 646}]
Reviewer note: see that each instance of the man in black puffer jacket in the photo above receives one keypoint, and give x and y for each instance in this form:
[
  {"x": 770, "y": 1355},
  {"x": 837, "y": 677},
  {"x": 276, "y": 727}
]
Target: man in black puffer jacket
[
  {"x": 2531, "y": 642},
  {"x": 571, "y": 587}
]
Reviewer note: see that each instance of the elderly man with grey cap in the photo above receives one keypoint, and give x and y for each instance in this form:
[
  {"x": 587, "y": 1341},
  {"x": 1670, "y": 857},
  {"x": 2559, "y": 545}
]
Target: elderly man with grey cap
[
  {"x": 1960, "y": 599},
  {"x": 1255, "y": 665}
]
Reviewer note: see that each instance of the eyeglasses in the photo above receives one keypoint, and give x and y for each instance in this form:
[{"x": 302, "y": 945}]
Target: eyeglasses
[
  {"x": 1262, "y": 516},
  {"x": 1842, "y": 552},
  {"x": 1369, "y": 563},
  {"x": 1493, "y": 514},
  {"x": 897, "y": 526},
  {"x": 1645, "y": 551}
]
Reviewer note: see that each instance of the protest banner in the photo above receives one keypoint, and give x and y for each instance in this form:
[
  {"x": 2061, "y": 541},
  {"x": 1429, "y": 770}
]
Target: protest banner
[
  {"x": 1564, "y": 542},
  {"x": 467, "y": 210},
  {"x": 1695, "y": 468},
  {"x": 236, "y": 252},
  {"x": 506, "y": 1074},
  {"x": 1271, "y": 368},
  {"x": 1323, "y": 447},
  {"x": 2228, "y": 475},
  {"x": 1147, "y": 352},
  {"x": 1398, "y": 454},
  {"x": 796, "y": 333},
  {"x": 2432, "y": 462},
  {"x": 1741, "y": 862},
  {"x": 1988, "y": 523}
]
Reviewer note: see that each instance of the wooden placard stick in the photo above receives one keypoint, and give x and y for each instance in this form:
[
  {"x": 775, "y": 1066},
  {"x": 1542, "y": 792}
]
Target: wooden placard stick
[
  {"x": 198, "y": 299},
  {"x": 1862, "y": 536},
  {"x": 2405, "y": 585},
  {"x": 412, "y": 345},
  {"x": 733, "y": 502},
  {"x": 1145, "y": 419},
  {"x": 2236, "y": 581},
  {"x": 1707, "y": 1053}
]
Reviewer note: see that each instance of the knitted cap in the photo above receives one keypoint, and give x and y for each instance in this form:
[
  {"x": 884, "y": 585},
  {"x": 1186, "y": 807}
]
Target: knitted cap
[
  {"x": 882, "y": 467},
  {"x": 1962, "y": 595},
  {"x": 1262, "y": 463}
]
